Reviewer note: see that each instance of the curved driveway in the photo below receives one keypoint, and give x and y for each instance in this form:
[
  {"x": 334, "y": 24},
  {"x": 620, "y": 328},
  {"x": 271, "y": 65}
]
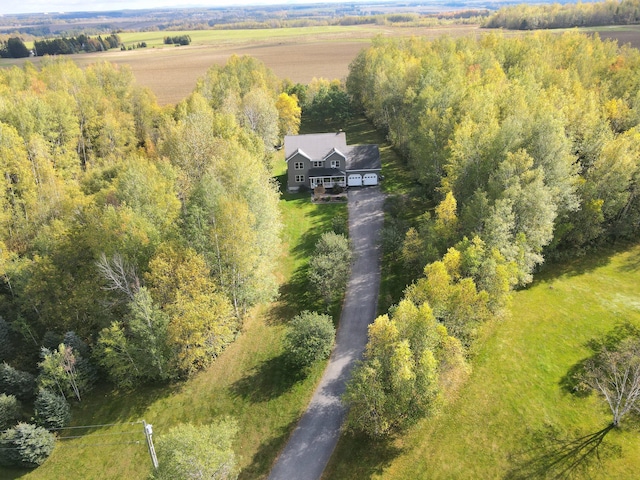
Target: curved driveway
[{"x": 312, "y": 442}]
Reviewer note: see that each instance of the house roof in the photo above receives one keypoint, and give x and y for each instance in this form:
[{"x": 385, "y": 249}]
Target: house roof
[
  {"x": 326, "y": 172},
  {"x": 363, "y": 157},
  {"x": 318, "y": 146}
]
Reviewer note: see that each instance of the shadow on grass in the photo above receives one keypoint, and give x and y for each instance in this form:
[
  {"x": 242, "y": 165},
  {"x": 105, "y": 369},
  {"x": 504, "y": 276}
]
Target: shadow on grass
[
  {"x": 107, "y": 405},
  {"x": 632, "y": 264},
  {"x": 358, "y": 456},
  {"x": 558, "y": 458},
  {"x": 264, "y": 457},
  {"x": 571, "y": 382},
  {"x": 268, "y": 380},
  {"x": 571, "y": 265}
]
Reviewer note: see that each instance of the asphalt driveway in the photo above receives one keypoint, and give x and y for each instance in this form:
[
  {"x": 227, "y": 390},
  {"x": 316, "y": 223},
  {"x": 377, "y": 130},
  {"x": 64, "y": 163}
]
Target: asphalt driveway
[{"x": 312, "y": 442}]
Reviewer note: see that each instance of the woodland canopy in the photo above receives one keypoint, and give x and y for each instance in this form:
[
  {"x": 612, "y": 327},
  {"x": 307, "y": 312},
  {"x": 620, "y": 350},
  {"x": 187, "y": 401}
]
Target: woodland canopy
[{"x": 146, "y": 231}]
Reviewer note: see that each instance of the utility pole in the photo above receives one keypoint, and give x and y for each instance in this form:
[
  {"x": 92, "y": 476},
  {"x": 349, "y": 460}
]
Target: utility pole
[{"x": 148, "y": 433}]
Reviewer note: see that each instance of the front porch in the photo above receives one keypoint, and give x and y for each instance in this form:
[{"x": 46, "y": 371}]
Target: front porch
[
  {"x": 327, "y": 177},
  {"x": 328, "y": 182}
]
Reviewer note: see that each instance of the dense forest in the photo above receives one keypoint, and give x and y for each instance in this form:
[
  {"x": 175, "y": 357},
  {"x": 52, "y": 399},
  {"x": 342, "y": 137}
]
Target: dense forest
[
  {"x": 528, "y": 148},
  {"x": 133, "y": 238},
  {"x": 532, "y": 17}
]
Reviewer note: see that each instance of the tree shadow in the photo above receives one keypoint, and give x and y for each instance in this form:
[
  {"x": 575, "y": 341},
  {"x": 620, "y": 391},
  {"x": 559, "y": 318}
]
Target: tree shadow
[
  {"x": 106, "y": 404},
  {"x": 557, "y": 457},
  {"x": 373, "y": 456},
  {"x": 632, "y": 264},
  {"x": 568, "y": 263},
  {"x": 263, "y": 459},
  {"x": 268, "y": 380},
  {"x": 571, "y": 381}
]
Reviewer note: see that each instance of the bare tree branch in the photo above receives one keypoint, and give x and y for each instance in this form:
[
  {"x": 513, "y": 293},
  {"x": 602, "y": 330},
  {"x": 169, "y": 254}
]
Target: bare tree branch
[{"x": 120, "y": 276}]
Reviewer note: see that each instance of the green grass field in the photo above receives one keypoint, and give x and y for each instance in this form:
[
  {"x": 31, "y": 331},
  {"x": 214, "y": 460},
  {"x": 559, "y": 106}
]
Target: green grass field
[
  {"x": 219, "y": 37},
  {"x": 516, "y": 392}
]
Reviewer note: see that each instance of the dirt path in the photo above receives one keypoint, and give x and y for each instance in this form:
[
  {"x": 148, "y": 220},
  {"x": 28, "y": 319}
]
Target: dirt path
[{"x": 314, "y": 439}]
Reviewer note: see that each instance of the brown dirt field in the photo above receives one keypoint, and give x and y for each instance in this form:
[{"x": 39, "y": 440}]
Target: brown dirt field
[
  {"x": 172, "y": 73},
  {"x": 624, "y": 37},
  {"x": 173, "y": 77}
]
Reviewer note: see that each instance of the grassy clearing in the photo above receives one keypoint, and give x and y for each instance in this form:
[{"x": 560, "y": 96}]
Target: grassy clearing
[{"x": 516, "y": 390}]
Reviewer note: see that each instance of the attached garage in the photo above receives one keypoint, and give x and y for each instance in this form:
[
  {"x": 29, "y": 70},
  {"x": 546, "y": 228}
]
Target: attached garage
[
  {"x": 354, "y": 180},
  {"x": 370, "y": 179}
]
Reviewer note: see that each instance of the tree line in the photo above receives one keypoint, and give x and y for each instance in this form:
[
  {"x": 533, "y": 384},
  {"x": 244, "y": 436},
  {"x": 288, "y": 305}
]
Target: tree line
[
  {"x": 133, "y": 238},
  {"x": 70, "y": 45},
  {"x": 532, "y": 17},
  {"x": 526, "y": 148}
]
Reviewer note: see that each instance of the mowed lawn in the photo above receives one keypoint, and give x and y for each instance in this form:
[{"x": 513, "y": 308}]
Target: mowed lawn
[
  {"x": 515, "y": 395},
  {"x": 251, "y": 381}
]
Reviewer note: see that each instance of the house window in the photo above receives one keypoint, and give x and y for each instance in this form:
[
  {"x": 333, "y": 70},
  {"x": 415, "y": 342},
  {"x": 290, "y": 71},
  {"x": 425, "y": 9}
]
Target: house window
[
  {"x": 298, "y": 165},
  {"x": 318, "y": 164},
  {"x": 335, "y": 163},
  {"x": 299, "y": 178}
]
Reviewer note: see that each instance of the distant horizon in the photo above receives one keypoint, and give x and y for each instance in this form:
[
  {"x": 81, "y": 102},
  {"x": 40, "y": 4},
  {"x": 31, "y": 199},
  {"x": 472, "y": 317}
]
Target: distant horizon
[
  {"x": 72, "y": 6},
  {"x": 77, "y": 6}
]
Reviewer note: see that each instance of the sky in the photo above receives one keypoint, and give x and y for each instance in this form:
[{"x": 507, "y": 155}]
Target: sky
[{"x": 55, "y": 6}]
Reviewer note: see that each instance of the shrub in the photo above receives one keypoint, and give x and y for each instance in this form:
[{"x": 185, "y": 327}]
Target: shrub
[
  {"x": 330, "y": 266},
  {"x": 339, "y": 223},
  {"x": 51, "y": 411},
  {"x": 16, "y": 382},
  {"x": 25, "y": 445},
  {"x": 310, "y": 338},
  {"x": 9, "y": 411},
  {"x": 205, "y": 451}
]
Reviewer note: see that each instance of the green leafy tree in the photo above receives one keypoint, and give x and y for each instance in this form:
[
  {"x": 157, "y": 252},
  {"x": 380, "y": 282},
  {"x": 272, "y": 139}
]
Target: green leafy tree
[
  {"x": 205, "y": 451},
  {"x": 58, "y": 372},
  {"x": 17, "y": 48},
  {"x": 51, "y": 410},
  {"x": 25, "y": 445},
  {"x": 309, "y": 339},
  {"x": 10, "y": 411},
  {"x": 330, "y": 266},
  {"x": 201, "y": 321},
  {"x": 398, "y": 380},
  {"x": 16, "y": 382},
  {"x": 6, "y": 346}
]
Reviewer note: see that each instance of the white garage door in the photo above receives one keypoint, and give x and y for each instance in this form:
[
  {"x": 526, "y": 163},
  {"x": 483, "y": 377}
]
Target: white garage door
[
  {"x": 370, "y": 179},
  {"x": 354, "y": 180}
]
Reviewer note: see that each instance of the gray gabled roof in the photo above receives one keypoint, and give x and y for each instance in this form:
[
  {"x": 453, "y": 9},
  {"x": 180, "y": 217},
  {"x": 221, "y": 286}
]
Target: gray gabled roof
[{"x": 316, "y": 145}]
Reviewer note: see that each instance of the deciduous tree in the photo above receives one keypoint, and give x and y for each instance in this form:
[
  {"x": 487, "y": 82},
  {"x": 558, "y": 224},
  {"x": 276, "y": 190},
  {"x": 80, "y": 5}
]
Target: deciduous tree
[{"x": 205, "y": 451}]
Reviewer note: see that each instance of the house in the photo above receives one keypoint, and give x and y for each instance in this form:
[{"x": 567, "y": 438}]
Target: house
[{"x": 326, "y": 159}]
